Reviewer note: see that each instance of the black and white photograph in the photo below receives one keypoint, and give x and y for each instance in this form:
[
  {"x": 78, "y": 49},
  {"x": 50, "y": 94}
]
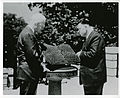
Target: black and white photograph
[{"x": 60, "y": 48}]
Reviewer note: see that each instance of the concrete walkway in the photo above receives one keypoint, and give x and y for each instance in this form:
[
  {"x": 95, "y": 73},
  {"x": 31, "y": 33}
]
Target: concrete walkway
[{"x": 71, "y": 87}]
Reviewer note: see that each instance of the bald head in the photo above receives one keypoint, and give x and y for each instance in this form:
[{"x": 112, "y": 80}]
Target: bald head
[{"x": 84, "y": 29}]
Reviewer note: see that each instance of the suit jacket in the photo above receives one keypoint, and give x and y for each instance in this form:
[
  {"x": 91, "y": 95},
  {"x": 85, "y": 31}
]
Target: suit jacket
[
  {"x": 93, "y": 65},
  {"x": 29, "y": 53}
]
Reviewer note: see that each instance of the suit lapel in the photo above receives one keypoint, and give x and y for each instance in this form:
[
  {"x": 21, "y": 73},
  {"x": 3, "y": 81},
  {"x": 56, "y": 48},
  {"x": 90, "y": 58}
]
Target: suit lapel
[
  {"x": 29, "y": 30},
  {"x": 86, "y": 43}
]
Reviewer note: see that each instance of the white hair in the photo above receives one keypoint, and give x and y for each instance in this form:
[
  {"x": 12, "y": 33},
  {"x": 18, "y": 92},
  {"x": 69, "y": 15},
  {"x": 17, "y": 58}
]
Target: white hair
[{"x": 37, "y": 17}]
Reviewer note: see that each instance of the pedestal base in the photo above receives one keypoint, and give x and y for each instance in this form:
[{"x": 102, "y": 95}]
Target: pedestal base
[{"x": 54, "y": 87}]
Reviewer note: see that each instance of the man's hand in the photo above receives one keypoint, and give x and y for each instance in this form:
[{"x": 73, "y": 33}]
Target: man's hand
[
  {"x": 78, "y": 53},
  {"x": 44, "y": 67}
]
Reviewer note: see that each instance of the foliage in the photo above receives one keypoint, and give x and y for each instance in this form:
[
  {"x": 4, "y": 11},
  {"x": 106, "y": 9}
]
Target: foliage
[
  {"x": 62, "y": 19},
  {"x": 12, "y": 26}
]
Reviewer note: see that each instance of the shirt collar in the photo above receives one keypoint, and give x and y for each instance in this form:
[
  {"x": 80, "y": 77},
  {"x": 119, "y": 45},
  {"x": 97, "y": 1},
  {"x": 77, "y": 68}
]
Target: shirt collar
[
  {"x": 31, "y": 27},
  {"x": 89, "y": 33}
]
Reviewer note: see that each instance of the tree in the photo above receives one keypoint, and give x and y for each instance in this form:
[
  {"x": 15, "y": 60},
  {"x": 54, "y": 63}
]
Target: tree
[
  {"x": 12, "y": 26},
  {"x": 62, "y": 19}
]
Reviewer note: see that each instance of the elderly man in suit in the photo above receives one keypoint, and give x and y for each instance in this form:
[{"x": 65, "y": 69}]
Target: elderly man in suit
[
  {"x": 29, "y": 53},
  {"x": 92, "y": 59}
]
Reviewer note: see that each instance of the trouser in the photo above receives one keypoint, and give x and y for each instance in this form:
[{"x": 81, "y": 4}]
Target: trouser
[
  {"x": 28, "y": 88},
  {"x": 93, "y": 90}
]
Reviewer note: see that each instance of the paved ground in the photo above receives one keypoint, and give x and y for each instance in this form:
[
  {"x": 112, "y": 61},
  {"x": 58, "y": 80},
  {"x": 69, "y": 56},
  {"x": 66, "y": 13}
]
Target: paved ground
[{"x": 71, "y": 87}]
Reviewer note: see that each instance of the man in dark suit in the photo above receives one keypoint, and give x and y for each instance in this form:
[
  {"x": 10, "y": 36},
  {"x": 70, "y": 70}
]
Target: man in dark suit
[
  {"x": 92, "y": 59},
  {"x": 29, "y": 53}
]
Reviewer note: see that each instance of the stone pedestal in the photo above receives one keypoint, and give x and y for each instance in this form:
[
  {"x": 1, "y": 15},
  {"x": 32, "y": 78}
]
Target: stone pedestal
[
  {"x": 55, "y": 78},
  {"x": 54, "y": 87}
]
